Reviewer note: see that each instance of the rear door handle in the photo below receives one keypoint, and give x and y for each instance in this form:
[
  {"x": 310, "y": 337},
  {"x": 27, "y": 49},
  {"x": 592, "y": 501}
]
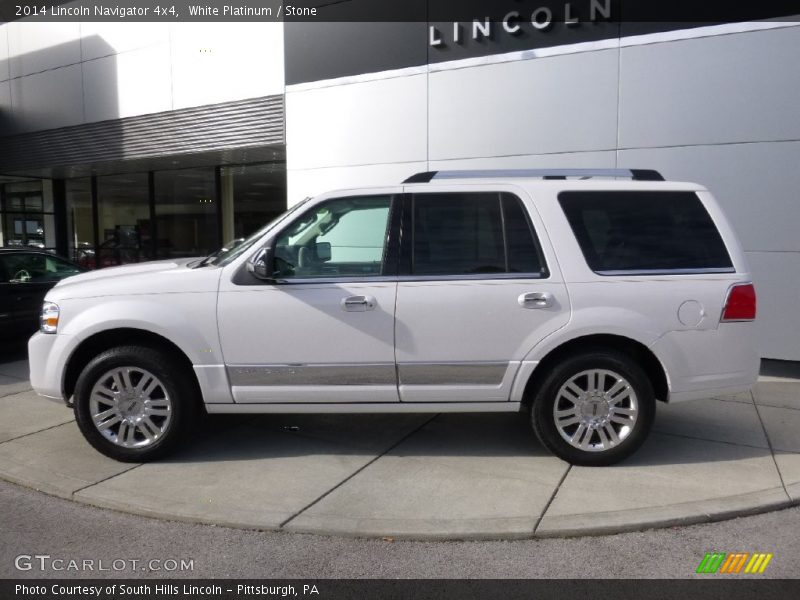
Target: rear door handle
[
  {"x": 536, "y": 300},
  {"x": 358, "y": 303}
]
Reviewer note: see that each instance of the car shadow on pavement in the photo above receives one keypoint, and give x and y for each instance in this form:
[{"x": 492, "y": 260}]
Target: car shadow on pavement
[
  {"x": 277, "y": 436},
  {"x": 504, "y": 436}
]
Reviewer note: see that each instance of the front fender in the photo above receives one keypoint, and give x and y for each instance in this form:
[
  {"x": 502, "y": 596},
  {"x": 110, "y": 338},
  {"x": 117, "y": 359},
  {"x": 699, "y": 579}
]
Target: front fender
[{"x": 191, "y": 326}]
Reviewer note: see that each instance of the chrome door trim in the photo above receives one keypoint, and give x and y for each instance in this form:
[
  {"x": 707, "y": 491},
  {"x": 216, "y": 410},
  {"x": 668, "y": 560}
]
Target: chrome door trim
[
  {"x": 463, "y": 373},
  {"x": 308, "y": 375},
  {"x": 362, "y": 407}
]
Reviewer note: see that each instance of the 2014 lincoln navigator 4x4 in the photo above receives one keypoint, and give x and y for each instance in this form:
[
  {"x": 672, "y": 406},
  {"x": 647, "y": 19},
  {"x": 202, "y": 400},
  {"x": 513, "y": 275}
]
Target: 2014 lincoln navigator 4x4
[{"x": 574, "y": 295}]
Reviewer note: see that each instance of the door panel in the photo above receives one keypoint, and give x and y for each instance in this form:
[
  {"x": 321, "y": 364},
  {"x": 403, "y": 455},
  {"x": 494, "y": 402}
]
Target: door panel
[
  {"x": 323, "y": 331},
  {"x": 464, "y": 340},
  {"x": 476, "y": 293},
  {"x": 298, "y": 343}
]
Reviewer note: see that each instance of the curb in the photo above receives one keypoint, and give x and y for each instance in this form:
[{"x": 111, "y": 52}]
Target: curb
[
  {"x": 561, "y": 526},
  {"x": 674, "y": 515}
]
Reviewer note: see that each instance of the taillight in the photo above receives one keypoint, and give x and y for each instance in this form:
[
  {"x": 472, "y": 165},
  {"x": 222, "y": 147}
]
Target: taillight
[{"x": 741, "y": 303}]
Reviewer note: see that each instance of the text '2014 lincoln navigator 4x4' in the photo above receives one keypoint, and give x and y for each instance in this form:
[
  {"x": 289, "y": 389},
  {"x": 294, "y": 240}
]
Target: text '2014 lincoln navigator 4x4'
[{"x": 576, "y": 295}]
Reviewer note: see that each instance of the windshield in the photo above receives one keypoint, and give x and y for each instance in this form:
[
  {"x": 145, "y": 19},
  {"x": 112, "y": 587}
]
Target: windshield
[{"x": 227, "y": 255}]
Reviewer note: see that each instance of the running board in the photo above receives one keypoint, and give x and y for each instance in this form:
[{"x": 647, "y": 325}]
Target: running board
[{"x": 363, "y": 407}]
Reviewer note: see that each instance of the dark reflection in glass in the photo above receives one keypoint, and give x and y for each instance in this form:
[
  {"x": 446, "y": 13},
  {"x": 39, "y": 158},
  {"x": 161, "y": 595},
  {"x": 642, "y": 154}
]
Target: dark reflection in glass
[
  {"x": 27, "y": 216},
  {"x": 80, "y": 224},
  {"x": 186, "y": 213},
  {"x": 185, "y": 217},
  {"x": 124, "y": 218},
  {"x": 259, "y": 195}
]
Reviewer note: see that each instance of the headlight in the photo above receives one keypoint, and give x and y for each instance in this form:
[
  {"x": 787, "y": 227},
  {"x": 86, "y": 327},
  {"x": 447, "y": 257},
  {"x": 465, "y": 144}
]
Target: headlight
[{"x": 48, "y": 320}]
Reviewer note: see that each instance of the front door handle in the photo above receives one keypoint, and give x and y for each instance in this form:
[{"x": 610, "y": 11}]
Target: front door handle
[
  {"x": 536, "y": 300},
  {"x": 358, "y": 303}
]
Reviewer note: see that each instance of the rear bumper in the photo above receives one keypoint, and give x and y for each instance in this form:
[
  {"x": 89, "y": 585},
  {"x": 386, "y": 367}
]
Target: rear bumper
[
  {"x": 47, "y": 355},
  {"x": 703, "y": 364}
]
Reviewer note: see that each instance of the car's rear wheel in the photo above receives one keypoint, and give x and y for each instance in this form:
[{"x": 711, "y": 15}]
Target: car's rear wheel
[
  {"x": 594, "y": 408},
  {"x": 132, "y": 403}
]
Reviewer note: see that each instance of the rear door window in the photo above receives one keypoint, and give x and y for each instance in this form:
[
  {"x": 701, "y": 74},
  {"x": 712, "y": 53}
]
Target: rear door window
[
  {"x": 481, "y": 233},
  {"x": 645, "y": 232}
]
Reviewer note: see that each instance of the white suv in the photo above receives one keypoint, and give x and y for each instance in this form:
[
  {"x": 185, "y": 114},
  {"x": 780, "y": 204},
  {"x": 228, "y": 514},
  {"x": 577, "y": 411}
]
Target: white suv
[{"x": 572, "y": 294}]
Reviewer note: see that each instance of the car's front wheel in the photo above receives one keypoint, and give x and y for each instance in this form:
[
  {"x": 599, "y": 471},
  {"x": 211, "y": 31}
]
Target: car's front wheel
[
  {"x": 133, "y": 402},
  {"x": 594, "y": 408}
]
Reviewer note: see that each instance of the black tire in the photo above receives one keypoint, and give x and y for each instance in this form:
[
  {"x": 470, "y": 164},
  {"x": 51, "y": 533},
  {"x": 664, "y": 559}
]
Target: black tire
[
  {"x": 176, "y": 384},
  {"x": 544, "y": 420}
]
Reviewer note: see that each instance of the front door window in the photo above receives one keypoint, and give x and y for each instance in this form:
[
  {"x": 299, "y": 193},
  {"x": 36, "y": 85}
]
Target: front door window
[{"x": 341, "y": 238}]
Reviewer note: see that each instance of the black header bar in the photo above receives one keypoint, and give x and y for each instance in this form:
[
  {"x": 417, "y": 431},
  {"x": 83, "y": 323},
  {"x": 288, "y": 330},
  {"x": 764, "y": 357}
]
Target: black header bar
[
  {"x": 710, "y": 587},
  {"x": 630, "y": 11}
]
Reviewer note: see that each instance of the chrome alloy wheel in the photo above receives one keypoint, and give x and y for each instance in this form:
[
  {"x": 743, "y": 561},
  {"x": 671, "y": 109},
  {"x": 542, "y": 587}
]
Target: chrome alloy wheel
[
  {"x": 130, "y": 407},
  {"x": 595, "y": 410}
]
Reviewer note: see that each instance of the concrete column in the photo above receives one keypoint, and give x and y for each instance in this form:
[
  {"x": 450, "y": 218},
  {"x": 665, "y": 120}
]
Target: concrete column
[
  {"x": 59, "y": 237},
  {"x": 226, "y": 202}
]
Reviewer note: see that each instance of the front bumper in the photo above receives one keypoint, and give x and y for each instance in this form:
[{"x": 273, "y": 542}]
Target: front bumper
[{"x": 47, "y": 355}]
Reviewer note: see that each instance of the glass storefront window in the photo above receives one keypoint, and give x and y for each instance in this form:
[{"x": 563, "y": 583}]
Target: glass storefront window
[
  {"x": 186, "y": 213},
  {"x": 259, "y": 195},
  {"x": 80, "y": 223},
  {"x": 124, "y": 219},
  {"x": 186, "y": 218},
  {"x": 27, "y": 215}
]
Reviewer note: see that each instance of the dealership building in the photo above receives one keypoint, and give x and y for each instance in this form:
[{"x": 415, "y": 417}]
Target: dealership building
[{"x": 127, "y": 141}]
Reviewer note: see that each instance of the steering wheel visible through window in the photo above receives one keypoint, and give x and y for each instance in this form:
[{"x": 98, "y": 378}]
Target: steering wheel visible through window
[{"x": 21, "y": 276}]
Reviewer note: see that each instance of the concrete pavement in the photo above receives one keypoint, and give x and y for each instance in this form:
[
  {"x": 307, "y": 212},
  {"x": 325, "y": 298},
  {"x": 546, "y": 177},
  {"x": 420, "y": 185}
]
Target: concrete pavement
[
  {"x": 37, "y": 523},
  {"x": 422, "y": 476}
]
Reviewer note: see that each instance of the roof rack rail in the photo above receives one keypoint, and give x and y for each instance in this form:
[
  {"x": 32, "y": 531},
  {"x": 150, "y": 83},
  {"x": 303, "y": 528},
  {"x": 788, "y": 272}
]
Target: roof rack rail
[{"x": 634, "y": 174}]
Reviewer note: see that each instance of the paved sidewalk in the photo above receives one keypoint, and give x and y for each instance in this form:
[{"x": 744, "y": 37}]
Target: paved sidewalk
[{"x": 422, "y": 476}]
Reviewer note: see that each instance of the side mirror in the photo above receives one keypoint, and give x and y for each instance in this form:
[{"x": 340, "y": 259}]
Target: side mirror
[
  {"x": 261, "y": 265},
  {"x": 323, "y": 251}
]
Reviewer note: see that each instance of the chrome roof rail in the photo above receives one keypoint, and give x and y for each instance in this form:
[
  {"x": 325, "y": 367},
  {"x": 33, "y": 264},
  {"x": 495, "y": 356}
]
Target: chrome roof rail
[{"x": 634, "y": 174}]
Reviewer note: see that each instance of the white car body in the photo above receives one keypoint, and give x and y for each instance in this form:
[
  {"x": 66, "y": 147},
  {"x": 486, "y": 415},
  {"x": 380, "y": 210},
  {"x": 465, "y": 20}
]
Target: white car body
[{"x": 429, "y": 344}]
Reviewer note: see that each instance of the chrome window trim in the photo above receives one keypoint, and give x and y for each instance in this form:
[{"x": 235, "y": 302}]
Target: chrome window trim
[
  {"x": 404, "y": 278},
  {"x": 640, "y": 272},
  {"x": 477, "y": 277},
  {"x": 333, "y": 280}
]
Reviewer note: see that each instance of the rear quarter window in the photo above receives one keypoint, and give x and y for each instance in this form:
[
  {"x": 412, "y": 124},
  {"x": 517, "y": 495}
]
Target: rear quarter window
[{"x": 645, "y": 232}]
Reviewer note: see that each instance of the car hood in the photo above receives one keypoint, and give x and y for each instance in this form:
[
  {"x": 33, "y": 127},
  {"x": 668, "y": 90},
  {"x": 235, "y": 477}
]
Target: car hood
[{"x": 157, "y": 277}]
